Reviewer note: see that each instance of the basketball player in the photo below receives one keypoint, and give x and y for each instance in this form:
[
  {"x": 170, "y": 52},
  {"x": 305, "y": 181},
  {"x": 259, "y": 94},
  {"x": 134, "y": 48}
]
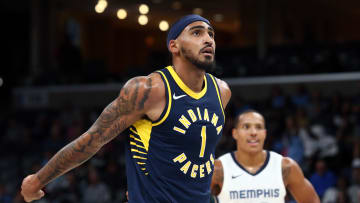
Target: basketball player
[
  {"x": 173, "y": 119},
  {"x": 252, "y": 174}
]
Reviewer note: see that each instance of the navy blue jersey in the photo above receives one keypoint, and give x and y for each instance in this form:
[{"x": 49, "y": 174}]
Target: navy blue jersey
[{"x": 172, "y": 159}]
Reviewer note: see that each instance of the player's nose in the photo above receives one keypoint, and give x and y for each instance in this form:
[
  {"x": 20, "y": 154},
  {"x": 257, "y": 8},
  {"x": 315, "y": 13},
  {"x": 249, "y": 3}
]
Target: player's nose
[
  {"x": 253, "y": 132},
  {"x": 208, "y": 40}
]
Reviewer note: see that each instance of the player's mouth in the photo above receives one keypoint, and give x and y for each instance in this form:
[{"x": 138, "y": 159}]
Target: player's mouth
[
  {"x": 207, "y": 51},
  {"x": 253, "y": 142}
]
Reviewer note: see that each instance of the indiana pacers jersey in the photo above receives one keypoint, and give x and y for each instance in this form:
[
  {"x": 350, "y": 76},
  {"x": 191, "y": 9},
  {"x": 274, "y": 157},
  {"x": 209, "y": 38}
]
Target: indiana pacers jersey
[
  {"x": 172, "y": 159},
  {"x": 240, "y": 186}
]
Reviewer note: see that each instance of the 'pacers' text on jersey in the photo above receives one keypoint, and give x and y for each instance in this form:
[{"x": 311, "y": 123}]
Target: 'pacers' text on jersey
[{"x": 172, "y": 159}]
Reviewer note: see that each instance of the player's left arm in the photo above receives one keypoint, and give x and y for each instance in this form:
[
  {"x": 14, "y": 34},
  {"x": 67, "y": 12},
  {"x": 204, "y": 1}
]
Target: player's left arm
[
  {"x": 217, "y": 180},
  {"x": 300, "y": 187},
  {"x": 224, "y": 91}
]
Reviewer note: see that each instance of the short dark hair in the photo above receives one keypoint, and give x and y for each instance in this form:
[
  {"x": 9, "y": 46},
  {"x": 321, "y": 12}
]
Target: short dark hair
[{"x": 237, "y": 120}]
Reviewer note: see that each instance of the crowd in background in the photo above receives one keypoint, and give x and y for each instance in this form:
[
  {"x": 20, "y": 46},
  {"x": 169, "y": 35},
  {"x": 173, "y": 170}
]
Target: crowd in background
[
  {"x": 321, "y": 133},
  {"x": 72, "y": 68}
]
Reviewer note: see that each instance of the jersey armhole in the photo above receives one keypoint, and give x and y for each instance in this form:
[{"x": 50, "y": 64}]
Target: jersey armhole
[
  {"x": 218, "y": 93},
  {"x": 167, "y": 108}
]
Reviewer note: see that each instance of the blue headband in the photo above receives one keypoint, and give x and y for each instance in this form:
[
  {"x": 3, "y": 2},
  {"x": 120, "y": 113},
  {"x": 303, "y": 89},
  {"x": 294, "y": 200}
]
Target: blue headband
[{"x": 179, "y": 26}]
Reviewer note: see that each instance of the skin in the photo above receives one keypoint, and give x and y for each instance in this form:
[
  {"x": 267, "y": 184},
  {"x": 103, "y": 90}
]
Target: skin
[
  {"x": 140, "y": 97},
  {"x": 250, "y": 134}
]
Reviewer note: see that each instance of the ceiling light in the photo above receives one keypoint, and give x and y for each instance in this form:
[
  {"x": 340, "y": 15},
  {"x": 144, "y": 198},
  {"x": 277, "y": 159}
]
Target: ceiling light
[
  {"x": 102, "y": 3},
  {"x": 121, "y": 14},
  {"x": 176, "y": 5},
  {"x": 100, "y": 6},
  {"x": 164, "y": 25},
  {"x": 144, "y": 9},
  {"x": 218, "y": 17},
  {"x": 198, "y": 11},
  {"x": 143, "y": 19},
  {"x": 99, "y": 9}
]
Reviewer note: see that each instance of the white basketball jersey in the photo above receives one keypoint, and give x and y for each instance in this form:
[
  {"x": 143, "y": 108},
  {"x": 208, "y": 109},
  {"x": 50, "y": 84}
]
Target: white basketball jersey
[{"x": 240, "y": 186}]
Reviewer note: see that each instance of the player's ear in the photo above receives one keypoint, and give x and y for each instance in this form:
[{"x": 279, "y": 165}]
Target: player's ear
[
  {"x": 234, "y": 133},
  {"x": 265, "y": 133},
  {"x": 174, "y": 47}
]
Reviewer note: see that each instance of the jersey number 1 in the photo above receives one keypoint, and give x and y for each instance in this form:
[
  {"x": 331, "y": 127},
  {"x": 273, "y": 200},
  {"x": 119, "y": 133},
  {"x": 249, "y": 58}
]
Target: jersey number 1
[{"x": 203, "y": 141}]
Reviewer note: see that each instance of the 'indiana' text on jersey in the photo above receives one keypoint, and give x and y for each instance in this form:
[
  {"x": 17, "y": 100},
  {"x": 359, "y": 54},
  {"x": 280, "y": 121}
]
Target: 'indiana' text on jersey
[{"x": 172, "y": 159}]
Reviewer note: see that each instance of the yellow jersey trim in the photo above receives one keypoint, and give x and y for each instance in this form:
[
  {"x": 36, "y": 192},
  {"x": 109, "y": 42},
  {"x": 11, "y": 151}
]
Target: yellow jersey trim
[
  {"x": 169, "y": 101},
  {"x": 218, "y": 93},
  {"x": 143, "y": 129},
  {"x": 184, "y": 87}
]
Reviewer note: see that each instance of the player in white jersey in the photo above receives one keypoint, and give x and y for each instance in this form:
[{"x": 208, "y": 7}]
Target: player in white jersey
[{"x": 254, "y": 175}]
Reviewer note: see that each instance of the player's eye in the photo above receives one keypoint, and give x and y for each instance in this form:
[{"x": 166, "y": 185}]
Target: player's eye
[
  {"x": 211, "y": 34},
  {"x": 196, "y": 33}
]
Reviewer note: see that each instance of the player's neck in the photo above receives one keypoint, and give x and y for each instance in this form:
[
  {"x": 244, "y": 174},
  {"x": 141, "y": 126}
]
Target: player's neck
[
  {"x": 251, "y": 159},
  {"x": 192, "y": 76}
]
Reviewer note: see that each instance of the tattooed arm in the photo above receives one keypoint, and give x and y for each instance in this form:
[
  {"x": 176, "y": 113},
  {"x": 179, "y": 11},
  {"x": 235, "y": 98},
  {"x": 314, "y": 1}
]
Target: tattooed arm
[
  {"x": 140, "y": 96},
  {"x": 217, "y": 180},
  {"x": 294, "y": 180}
]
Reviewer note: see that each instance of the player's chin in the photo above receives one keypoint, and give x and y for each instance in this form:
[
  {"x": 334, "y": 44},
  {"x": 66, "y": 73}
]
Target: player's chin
[
  {"x": 209, "y": 58},
  {"x": 254, "y": 149}
]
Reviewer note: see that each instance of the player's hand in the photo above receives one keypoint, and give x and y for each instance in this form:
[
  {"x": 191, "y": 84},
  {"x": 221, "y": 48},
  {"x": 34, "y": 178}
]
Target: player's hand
[{"x": 30, "y": 188}]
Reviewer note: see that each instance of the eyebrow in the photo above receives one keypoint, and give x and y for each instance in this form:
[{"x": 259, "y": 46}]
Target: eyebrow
[{"x": 201, "y": 27}]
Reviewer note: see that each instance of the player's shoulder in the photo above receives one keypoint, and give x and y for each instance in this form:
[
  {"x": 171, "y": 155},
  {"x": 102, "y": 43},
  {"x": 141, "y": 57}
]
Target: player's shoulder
[
  {"x": 222, "y": 84},
  {"x": 288, "y": 162},
  {"x": 151, "y": 86},
  {"x": 225, "y": 158},
  {"x": 224, "y": 91}
]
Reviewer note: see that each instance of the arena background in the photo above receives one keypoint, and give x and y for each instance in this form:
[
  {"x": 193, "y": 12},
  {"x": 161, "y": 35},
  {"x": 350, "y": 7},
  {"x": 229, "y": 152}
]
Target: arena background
[{"x": 298, "y": 62}]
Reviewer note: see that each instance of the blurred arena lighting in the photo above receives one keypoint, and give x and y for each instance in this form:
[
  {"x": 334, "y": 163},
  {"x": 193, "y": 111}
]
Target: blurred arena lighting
[
  {"x": 121, "y": 13},
  {"x": 101, "y": 6},
  {"x": 144, "y": 9},
  {"x": 218, "y": 17},
  {"x": 176, "y": 5},
  {"x": 164, "y": 25},
  {"x": 1, "y": 82},
  {"x": 198, "y": 11},
  {"x": 143, "y": 19}
]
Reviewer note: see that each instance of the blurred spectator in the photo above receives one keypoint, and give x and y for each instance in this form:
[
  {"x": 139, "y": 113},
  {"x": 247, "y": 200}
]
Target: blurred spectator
[
  {"x": 323, "y": 178},
  {"x": 301, "y": 97},
  {"x": 115, "y": 180},
  {"x": 337, "y": 194},
  {"x": 354, "y": 189},
  {"x": 290, "y": 144},
  {"x": 4, "y": 196},
  {"x": 96, "y": 190},
  {"x": 278, "y": 99},
  {"x": 326, "y": 144},
  {"x": 63, "y": 189}
]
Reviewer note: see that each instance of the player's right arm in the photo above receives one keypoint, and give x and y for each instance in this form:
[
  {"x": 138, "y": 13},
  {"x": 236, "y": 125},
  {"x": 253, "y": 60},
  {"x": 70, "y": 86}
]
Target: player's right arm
[
  {"x": 140, "y": 96},
  {"x": 217, "y": 178}
]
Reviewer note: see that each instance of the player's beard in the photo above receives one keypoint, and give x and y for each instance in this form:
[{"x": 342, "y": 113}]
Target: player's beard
[{"x": 208, "y": 65}]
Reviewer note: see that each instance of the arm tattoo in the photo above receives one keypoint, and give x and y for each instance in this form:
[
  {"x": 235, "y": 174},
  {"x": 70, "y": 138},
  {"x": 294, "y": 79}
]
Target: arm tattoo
[
  {"x": 146, "y": 95},
  {"x": 285, "y": 173},
  {"x": 111, "y": 122}
]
